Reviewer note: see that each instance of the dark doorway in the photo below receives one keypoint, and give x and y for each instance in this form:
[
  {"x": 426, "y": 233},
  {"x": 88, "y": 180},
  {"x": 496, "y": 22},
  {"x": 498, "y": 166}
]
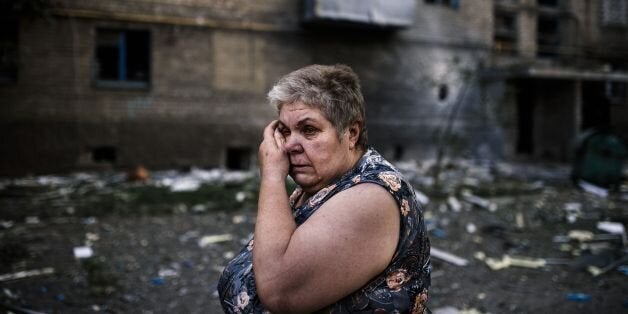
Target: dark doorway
[
  {"x": 525, "y": 117},
  {"x": 596, "y": 107}
]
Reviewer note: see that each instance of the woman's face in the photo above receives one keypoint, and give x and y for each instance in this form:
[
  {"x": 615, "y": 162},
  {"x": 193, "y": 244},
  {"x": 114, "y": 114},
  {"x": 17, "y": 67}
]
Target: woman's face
[{"x": 317, "y": 155}]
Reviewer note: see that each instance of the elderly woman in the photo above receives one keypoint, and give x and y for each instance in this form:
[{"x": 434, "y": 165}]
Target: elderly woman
[{"x": 351, "y": 237}]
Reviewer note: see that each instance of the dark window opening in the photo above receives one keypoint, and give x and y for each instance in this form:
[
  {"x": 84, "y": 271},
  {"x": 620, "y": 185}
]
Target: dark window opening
[
  {"x": 616, "y": 92},
  {"x": 104, "y": 154},
  {"x": 122, "y": 58},
  {"x": 455, "y": 4},
  {"x": 596, "y": 109},
  {"x": 548, "y": 36},
  {"x": 443, "y": 92},
  {"x": 547, "y": 3},
  {"x": 8, "y": 50},
  {"x": 505, "y": 32},
  {"x": 238, "y": 158},
  {"x": 525, "y": 119}
]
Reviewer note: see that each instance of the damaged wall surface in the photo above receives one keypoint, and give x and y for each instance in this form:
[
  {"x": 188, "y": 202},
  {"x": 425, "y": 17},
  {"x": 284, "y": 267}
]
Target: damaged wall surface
[{"x": 83, "y": 99}]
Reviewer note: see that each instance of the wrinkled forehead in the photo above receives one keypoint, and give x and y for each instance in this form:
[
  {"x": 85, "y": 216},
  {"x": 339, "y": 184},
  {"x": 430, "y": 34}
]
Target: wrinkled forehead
[{"x": 297, "y": 112}]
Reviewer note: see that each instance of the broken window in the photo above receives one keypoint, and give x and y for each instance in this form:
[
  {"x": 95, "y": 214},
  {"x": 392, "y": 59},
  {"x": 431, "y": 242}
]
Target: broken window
[
  {"x": 455, "y": 4},
  {"x": 505, "y": 32},
  {"x": 616, "y": 92},
  {"x": 238, "y": 158},
  {"x": 8, "y": 50},
  {"x": 122, "y": 58},
  {"x": 614, "y": 13},
  {"x": 548, "y": 36},
  {"x": 104, "y": 154},
  {"x": 547, "y": 3}
]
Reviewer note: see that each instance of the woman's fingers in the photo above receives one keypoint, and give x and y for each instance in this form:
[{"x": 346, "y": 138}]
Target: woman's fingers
[
  {"x": 270, "y": 129},
  {"x": 279, "y": 139}
]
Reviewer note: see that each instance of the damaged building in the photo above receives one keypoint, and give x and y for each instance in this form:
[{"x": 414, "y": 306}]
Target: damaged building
[{"x": 88, "y": 85}]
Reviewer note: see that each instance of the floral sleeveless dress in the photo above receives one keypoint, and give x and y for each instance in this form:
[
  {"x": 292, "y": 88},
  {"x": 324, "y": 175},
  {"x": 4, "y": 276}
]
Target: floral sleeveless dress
[{"x": 401, "y": 288}]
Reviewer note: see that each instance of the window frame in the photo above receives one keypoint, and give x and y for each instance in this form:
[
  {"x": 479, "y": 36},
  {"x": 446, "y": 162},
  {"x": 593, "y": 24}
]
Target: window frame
[
  {"x": 605, "y": 10},
  {"x": 10, "y": 50},
  {"x": 452, "y": 4},
  {"x": 123, "y": 82}
]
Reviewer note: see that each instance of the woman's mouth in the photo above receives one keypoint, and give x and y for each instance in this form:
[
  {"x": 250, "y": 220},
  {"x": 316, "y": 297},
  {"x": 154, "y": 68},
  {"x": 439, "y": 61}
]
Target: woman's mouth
[{"x": 298, "y": 167}]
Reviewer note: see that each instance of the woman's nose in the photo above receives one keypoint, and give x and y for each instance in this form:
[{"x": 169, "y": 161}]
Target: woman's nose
[{"x": 293, "y": 145}]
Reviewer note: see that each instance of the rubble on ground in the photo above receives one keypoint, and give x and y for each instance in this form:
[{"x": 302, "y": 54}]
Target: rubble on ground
[{"x": 506, "y": 238}]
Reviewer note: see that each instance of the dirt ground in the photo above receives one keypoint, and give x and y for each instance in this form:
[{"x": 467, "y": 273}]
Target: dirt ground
[{"x": 159, "y": 246}]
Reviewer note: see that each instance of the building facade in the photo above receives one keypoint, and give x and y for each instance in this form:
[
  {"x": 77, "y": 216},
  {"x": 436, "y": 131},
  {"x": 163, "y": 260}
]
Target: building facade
[{"x": 180, "y": 83}]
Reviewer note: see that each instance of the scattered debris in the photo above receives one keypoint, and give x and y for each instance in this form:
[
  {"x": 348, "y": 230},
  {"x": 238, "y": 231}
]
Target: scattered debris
[
  {"x": 519, "y": 220},
  {"x": 17, "y": 309},
  {"x": 422, "y": 198},
  {"x": 476, "y": 200},
  {"x": 471, "y": 228},
  {"x": 439, "y": 233},
  {"x": 199, "y": 208},
  {"x": 238, "y": 219},
  {"x": 83, "y": 252},
  {"x": 138, "y": 174},
  {"x": 578, "y": 297},
  {"x": 454, "y": 203},
  {"x": 580, "y": 235},
  {"x": 572, "y": 211},
  {"x": 593, "y": 189},
  {"x": 240, "y": 197},
  {"x": 212, "y": 239},
  {"x": 586, "y": 236},
  {"x": 167, "y": 272},
  {"x": 595, "y": 271},
  {"x": 32, "y": 220},
  {"x": 158, "y": 281},
  {"x": 507, "y": 261},
  {"x": 27, "y": 274},
  {"x": 612, "y": 227},
  {"x": 448, "y": 257}
]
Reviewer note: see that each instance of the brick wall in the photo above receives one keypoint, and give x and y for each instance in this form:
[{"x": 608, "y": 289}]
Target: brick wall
[{"x": 211, "y": 65}]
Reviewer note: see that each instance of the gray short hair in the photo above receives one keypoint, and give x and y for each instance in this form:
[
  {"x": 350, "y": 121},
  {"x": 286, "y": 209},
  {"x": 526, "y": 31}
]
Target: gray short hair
[{"x": 333, "y": 89}]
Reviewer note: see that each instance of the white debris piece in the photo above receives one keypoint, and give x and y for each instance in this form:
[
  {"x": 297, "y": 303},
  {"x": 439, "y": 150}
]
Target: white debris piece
[
  {"x": 238, "y": 219},
  {"x": 184, "y": 185},
  {"x": 611, "y": 227},
  {"x": 580, "y": 235},
  {"x": 572, "y": 211},
  {"x": 27, "y": 273},
  {"x": 471, "y": 228},
  {"x": 593, "y": 189},
  {"x": 83, "y": 252},
  {"x": 167, "y": 272},
  {"x": 507, "y": 261},
  {"x": 421, "y": 198},
  {"x": 476, "y": 200},
  {"x": 212, "y": 239},
  {"x": 32, "y": 220},
  {"x": 448, "y": 257},
  {"x": 454, "y": 203},
  {"x": 240, "y": 196},
  {"x": 446, "y": 310}
]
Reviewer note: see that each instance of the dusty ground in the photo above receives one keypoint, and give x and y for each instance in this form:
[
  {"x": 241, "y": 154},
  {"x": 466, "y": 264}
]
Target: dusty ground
[{"x": 151, "y": 253}]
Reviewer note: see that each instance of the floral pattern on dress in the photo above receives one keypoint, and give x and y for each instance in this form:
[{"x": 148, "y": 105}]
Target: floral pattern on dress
[{"x": 402, "y": 287}]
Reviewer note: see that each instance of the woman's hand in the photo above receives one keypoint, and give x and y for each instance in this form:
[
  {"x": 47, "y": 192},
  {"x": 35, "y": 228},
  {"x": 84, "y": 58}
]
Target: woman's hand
[{"x": 273, "y": 159}]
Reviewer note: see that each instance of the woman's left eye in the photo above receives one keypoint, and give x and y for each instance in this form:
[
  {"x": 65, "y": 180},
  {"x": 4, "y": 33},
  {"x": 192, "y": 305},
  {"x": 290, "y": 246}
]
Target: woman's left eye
[{"x": 309, "y": 130}]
